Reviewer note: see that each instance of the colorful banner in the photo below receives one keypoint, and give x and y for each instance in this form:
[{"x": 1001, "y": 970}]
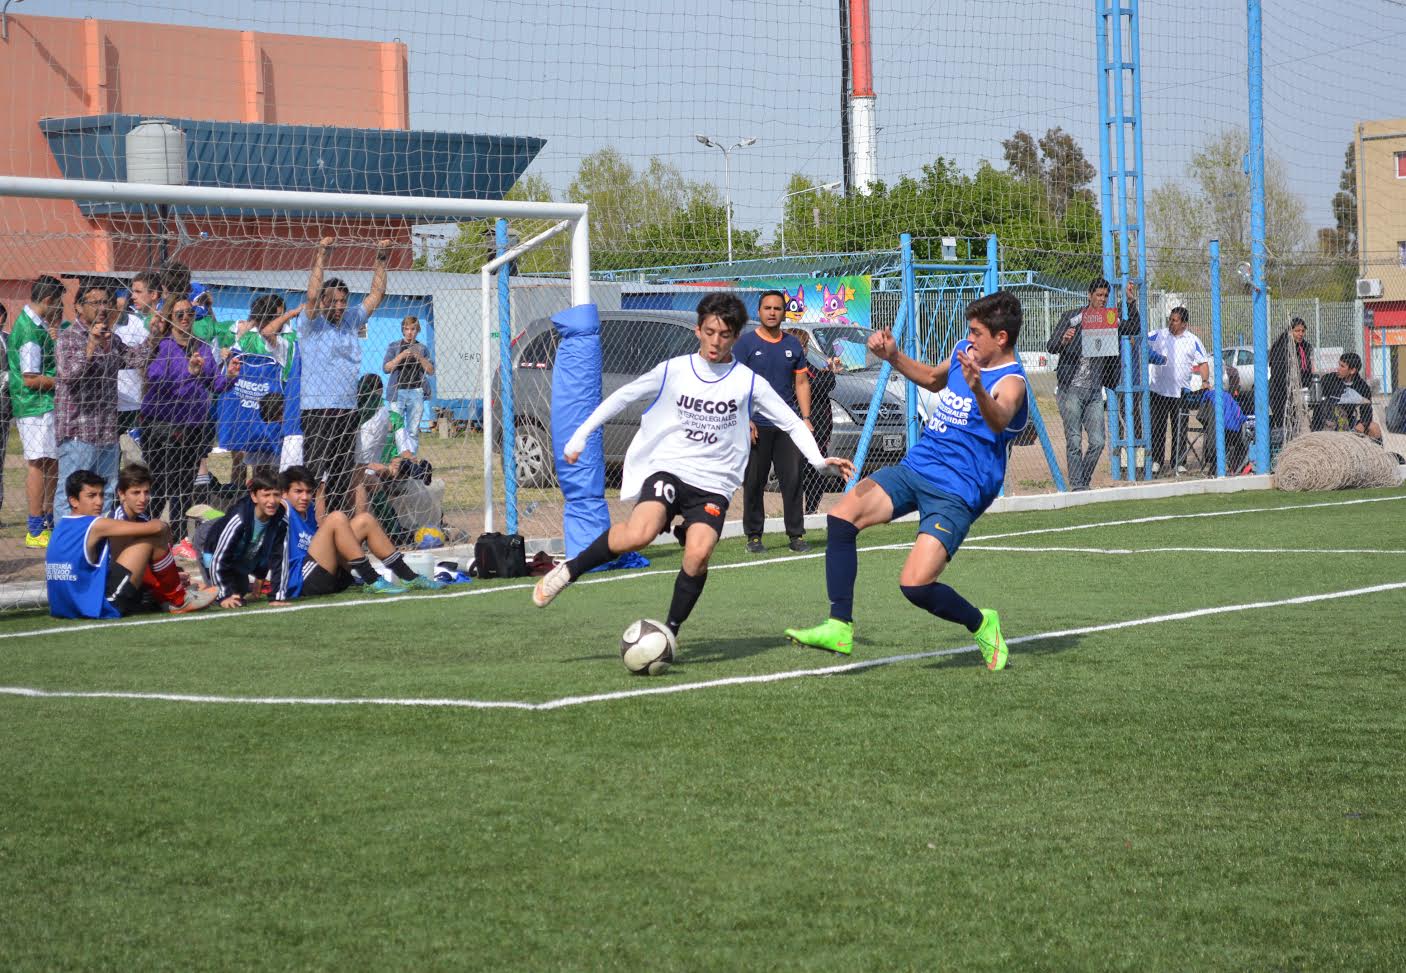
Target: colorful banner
[{"x": 819, "y": 300}]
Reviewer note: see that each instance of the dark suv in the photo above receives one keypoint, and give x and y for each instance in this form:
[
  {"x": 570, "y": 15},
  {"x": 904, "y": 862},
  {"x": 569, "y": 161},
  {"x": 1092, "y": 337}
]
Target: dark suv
[{"x": 633, "y": 342}]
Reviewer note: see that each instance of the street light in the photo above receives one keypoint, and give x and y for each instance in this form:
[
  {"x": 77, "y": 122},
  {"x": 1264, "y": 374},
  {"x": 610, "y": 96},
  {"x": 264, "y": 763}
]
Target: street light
[
  {"x": 799, "y": 192},
  {"x": 727, "y": 178}
]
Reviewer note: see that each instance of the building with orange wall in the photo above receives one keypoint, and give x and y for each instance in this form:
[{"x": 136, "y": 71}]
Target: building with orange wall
[{"x": 267, "y": 111}]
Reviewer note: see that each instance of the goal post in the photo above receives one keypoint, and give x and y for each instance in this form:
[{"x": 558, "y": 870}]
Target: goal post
[{"x": 459, "y": 330}]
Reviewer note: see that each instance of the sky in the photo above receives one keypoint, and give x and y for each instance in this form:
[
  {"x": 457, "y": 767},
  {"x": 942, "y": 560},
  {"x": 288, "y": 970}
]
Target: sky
[{"x": 953, "y": 78}]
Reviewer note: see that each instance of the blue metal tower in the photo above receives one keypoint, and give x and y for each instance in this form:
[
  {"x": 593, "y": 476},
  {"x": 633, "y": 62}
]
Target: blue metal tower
[{"x": 1123, "y": 211}]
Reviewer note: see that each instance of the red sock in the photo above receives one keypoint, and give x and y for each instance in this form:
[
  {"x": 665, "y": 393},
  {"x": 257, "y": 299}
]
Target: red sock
[{"x": 164, "y": 578}]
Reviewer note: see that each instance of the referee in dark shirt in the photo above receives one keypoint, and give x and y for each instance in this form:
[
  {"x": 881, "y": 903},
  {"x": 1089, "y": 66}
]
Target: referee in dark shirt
[{"x": 780, "y": 359}]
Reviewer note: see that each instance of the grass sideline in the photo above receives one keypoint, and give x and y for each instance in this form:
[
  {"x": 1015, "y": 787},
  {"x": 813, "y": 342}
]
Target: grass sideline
[{"x": 1222, "y": 792}]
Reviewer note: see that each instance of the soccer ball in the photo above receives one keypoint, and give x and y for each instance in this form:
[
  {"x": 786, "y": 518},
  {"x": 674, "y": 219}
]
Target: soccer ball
[
  {"x": 428, "y": 538},
  {"x": 647, "y": 647}
]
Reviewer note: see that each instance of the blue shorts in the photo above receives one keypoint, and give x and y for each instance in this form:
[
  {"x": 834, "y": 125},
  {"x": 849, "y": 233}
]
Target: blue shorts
[{"x": 941, "y": 515}]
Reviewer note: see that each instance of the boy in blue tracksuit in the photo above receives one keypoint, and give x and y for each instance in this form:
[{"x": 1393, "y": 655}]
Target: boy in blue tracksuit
[
  {"x": 950, "y": 477},
  {"x": 243, "y": 543}
]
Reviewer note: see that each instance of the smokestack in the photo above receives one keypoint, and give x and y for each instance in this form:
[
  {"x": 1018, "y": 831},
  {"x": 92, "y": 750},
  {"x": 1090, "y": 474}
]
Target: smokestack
[{"x": 865, "y": 140}]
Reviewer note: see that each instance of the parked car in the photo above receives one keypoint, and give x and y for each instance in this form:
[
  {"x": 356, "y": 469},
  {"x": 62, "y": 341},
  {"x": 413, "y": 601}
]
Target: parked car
[
  {"x": 1242, "y": 359},
  {"x": 633, "y": 342}
]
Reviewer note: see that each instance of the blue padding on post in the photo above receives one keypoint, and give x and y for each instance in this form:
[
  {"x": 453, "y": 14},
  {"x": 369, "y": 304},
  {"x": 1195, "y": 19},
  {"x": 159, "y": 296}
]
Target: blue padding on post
[{"x": 576, "y": 387}]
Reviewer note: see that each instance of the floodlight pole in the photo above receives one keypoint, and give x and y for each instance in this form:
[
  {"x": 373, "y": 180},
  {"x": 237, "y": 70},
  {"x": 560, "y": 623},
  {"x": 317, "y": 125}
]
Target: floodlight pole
[
  {"x": 799, "y": 192},
  {"x": 727, "y": 178}
]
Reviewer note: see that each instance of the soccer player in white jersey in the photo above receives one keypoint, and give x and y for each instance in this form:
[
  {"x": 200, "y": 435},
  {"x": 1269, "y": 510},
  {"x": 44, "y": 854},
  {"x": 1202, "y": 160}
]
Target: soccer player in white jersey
[
  {"x": 689, "y": 455},
  {"x": 950, "y": 477}
]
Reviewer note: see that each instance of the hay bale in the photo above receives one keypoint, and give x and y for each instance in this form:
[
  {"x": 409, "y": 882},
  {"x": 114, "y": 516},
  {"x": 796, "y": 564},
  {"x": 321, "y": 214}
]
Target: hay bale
[{"x": 1334, "y": 461}]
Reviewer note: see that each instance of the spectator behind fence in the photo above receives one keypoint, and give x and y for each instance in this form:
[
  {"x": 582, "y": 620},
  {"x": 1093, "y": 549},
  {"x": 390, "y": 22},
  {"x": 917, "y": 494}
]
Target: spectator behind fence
[
  {"x": 330, "y": 346},
  {"x": 89, "y": 357},
  {"x": 4, "y": 400},
  {"x": 408, "y": 363},
  {"x": 822, "y": 418},
  {"x": 1290, "y": 350},
  {"x": 176, "y": 428},
  {"x": 1234, "y": 418},
  {"x": 1346, "y": 401},
  {"x": 779, "y": 359},
  {"x": 31, "y": 366},
  {"x": 1184, "y": 356},
  {"x": 133, "y": 326},
  {"x": 1081, "y": 381}
]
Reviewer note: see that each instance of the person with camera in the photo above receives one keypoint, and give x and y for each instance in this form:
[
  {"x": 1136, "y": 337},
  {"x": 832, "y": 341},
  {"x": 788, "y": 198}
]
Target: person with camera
[{"x": 88, "y": 359}]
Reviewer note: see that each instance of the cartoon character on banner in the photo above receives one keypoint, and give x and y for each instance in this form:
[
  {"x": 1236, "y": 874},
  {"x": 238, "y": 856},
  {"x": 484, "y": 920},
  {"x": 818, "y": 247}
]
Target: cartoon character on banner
[
  {"x": 834, "y": 308},
  {"x": 796, "y": 304}
]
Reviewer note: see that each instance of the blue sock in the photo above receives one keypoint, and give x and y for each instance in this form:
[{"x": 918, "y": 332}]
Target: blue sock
[
  {"x": 49, "y": 520},
  {"x": 36, "y": 526},
  {"x": 841, "y": 566},
  {"x": 945, "y": 603}
]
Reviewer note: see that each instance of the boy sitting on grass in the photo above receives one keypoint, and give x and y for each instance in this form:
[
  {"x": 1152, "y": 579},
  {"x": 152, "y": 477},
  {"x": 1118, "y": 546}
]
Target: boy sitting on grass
[
  {"x": 95, "y": 565},
  {"x": 327, "y": 558}
]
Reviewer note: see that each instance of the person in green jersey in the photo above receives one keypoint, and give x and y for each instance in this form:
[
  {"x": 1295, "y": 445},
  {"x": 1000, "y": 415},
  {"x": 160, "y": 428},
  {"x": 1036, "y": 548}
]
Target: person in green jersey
[{"x": 31, "y": 366}]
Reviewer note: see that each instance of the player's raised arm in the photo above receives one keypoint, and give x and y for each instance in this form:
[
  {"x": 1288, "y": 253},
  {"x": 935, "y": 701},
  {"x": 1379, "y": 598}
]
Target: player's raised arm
[
  {"x": 647, "y": 385},
  {"x": 999, "y": 405},
  {"x": 931, "y": 377}
]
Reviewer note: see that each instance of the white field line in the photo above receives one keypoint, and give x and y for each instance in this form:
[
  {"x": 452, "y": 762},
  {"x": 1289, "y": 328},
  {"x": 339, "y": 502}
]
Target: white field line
[
  {"x": 567, "y": 701},
  {"x": 224, "y": 615},
  {"x": 1176, "y": 550}
]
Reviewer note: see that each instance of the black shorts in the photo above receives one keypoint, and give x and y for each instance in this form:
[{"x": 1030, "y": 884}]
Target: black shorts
[
  {"x": 319, "y": 581},
  {"x": 122, "y": 590},
  {"x": 681, "y": 500}
]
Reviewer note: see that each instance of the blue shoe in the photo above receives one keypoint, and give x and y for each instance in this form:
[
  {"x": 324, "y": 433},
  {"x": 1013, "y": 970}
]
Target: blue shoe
[
  {"x": 422, "y": 583},
  {"x": 385, "y": 587}
]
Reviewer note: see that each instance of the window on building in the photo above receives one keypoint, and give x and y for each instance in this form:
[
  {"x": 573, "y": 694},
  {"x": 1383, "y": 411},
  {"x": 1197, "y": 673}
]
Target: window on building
[
  {"x": 1401, "y": 165},
  {"x": 1401, "y": 252}
]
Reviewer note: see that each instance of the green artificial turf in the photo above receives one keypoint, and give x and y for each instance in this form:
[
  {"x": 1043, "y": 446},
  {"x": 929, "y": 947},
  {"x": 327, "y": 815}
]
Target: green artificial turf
[{"x": 1214, "y": 792}]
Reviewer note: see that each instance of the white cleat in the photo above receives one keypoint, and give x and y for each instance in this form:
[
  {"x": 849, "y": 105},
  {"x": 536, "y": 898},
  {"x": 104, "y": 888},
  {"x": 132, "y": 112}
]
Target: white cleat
[{"x": 550, "y": 585}]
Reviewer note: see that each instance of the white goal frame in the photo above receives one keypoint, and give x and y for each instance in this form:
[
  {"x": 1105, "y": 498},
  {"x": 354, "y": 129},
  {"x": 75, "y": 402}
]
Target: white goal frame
[{"x": 571, "y": 217}]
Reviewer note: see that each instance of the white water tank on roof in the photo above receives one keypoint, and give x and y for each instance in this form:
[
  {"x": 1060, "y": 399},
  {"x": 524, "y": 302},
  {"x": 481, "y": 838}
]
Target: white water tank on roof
[{"x": 156, "y": 153}]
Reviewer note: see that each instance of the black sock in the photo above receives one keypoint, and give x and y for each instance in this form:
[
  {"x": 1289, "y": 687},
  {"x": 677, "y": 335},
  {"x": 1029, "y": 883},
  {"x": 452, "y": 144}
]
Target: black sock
[
  {"x": 687, "y": 588},
  {"x": 944, "y": 602},
  {"x": 396, "y": 562},
  {"x": 592, "y": 557},
  {"x": 363, "y": 571},
  {"x": 841, "y": 566}
]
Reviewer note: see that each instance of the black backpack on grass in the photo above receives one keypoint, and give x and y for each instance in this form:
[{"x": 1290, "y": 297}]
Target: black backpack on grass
[{"x": 500, "y": 556}]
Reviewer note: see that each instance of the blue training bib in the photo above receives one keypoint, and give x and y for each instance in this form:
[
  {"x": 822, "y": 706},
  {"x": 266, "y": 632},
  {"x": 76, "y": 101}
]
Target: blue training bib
[{"x": 958, "y": 453}]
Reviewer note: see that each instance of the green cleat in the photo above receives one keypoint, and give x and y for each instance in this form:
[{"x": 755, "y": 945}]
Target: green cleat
[
  {"x": 989, "y": 641},
  {"x": 831, "y": 635}
]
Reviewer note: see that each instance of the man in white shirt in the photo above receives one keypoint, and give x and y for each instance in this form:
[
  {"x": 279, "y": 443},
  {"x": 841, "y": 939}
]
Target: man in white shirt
[
  {"x": 133, "y": 329},
  {"x": 689, "y": 456},
  {"x": 1185, "y": 356}
]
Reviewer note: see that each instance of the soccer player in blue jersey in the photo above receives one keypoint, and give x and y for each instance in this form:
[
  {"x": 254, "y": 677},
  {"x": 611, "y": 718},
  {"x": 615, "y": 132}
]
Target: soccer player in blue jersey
[
  {"x": 950, "y": 477},
  {"x": 94, "y": 564},
  {"x": 327, "y": 558}
]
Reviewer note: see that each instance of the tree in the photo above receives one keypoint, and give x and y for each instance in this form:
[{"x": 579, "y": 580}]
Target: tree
[
  {"x": 1059, "y": 166},
  {"x": 1341, "y": 240},
  {"x": 476, "y": 243},
  {"x": 1215, "y": 204},
  {"x": 629, "y": 206}
]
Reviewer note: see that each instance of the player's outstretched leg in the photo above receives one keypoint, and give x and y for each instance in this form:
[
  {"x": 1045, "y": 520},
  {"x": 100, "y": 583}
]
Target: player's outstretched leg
[
  {"x": 336, "y": 545},
  {"x": 836, "y": 633},
  {"x": 919, "y": 585},
  {"x": 367, "y": 529},
  {"x": 700, "y": 540},
  {"x": 646, "y": 522},
  {"x": 864, "y": 506}
]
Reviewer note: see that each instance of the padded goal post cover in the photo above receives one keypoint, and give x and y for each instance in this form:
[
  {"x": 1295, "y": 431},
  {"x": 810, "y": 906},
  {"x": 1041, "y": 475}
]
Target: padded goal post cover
[{"x": 576, "y": 391}]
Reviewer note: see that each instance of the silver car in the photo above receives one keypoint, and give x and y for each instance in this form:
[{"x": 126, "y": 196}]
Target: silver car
[{"x": 633, "y": 342}]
